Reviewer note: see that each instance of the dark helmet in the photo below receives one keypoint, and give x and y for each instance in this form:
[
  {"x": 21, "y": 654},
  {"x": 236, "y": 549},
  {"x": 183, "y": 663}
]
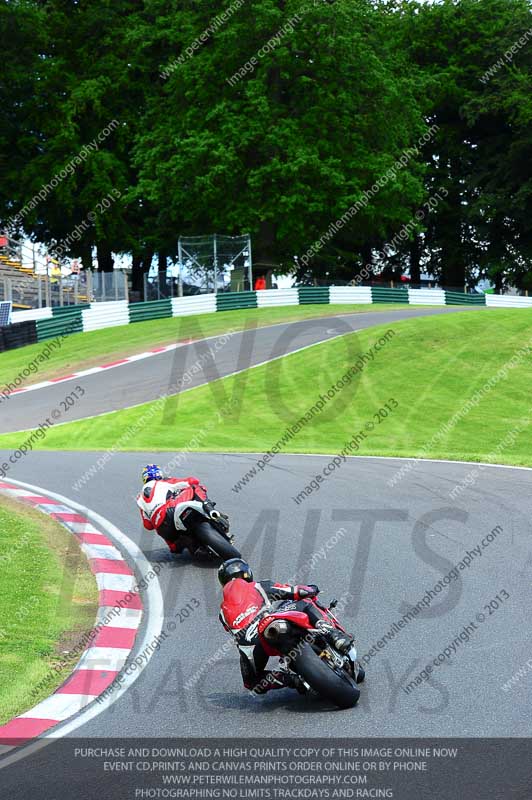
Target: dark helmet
[{"x": 234, "y": 568}]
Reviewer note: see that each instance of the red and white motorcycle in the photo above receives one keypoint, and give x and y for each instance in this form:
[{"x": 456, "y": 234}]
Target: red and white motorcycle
[
  {"x": 284, "y": 630},
  {"x": 303, "y": 649}
]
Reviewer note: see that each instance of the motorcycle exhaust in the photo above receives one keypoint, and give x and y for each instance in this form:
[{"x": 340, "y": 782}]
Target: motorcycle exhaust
[
  {"x": 215, "y": 514},
  {"x": 275, "y": 630}
]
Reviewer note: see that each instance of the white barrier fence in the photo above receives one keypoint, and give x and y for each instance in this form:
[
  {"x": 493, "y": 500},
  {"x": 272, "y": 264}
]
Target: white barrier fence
[
  {"x": 105, "y": 315},
  {"x": 116, "y": 313},
  {"x": 197, "y": 304},
  {"x": 31, "y": 313},
  {"x": 350, "y": 294},
  {"x": 277, "y": 297},
  {"x": 508, "y": 301}
]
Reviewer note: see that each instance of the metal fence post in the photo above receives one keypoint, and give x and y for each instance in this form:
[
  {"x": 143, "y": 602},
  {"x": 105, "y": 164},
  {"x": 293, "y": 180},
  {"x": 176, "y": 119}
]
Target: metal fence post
[
  {"x": 180, "y": 257},
  {"x": 250, "y": 265},
  {"x": 215, "y": 247}
]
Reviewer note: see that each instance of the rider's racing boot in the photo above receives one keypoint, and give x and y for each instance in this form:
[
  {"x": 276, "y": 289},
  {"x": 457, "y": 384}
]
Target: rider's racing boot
[
  {"x": 340, "y": 641},
  {"x": 295, "y": 682},
  {"x": 277, "y": 679}
]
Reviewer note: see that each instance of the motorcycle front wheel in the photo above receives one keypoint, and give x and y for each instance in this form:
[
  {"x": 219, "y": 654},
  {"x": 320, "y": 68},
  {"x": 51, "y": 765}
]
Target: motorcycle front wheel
[
  {"x": 329, "y": 684},
  {"x": 207, "y": 536}
]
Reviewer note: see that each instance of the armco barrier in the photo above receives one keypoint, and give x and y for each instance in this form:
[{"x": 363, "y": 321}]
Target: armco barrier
[
  {"x": 313, "y": 294},
  {"x": 31, "y": 314},
  {"x": 197, "y": 304},
  {"x": 73, "y": 319},
  {"x": 508, "y": 301},
  {"x": 350, "y": 294},
  {"x": 426, "y": 297},
  {"x": 155, "y": 309},
  {"x": 18, "y": 335},
  {"x": 105, "y": 315},
  {"x": 383, "y": 294},
  {"x": 65, "y": 311},
  {"x": 277, "y": 297},
  {"x": 230, "y": 301},
  {"x": 47, "y": 312},
  {"x": 459, "y": 299},
  {"x": 64, "y": 323}
]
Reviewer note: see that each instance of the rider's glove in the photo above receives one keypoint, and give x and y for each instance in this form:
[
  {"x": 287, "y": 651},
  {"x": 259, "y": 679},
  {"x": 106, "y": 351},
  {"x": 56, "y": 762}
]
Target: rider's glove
[
  {"x": 308, "y": 591},
  {"x": 208, "y": 506},
  {"x": 221, "y": 521}
]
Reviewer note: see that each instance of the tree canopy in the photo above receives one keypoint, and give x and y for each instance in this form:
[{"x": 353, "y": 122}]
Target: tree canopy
[{"x": 341, "y": 134}]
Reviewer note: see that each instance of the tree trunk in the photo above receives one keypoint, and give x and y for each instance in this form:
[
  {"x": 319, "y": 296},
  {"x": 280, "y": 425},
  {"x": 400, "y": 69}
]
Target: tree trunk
[
  {"x": 264, "y": 257},
  {"x": 105, "y": 257},
  {"x": 141, "y": 265},
  {"x": 162, "y": 260},
  {"x": 453, "y": 264},
  {"x": 366, "y": 252},
  {"x": 137, "y": 274},
  {"x": 85, "y": 251},
  {"x": 415, "y": 260},
  {"x": 451, "y": 225}
]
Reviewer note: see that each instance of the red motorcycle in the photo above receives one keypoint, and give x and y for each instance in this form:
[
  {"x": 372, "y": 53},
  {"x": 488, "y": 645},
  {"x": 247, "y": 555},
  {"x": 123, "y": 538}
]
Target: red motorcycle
[{"x": 287, "y": 632}]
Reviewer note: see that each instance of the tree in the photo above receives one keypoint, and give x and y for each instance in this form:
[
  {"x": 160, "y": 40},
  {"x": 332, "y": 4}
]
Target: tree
[
  {"x": 278, "y": 119},
  {"x": 481, "y": 103},
  {"x": 23, "y": 40},
  {"x": 84, "y": 126},
  {"x": 277, "y": 123}
]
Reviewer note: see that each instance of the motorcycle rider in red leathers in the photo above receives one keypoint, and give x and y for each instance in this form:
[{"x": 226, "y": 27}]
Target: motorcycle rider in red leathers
[
  {"x": 158, "y": 500},
  {"x": 246, "y": 600}
]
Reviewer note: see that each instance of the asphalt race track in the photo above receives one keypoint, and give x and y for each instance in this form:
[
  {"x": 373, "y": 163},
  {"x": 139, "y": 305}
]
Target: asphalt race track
[
  {"x": 377, "y": 545},
  {"x": 398, "y": 542},
  {"x": 171, "y": 372}
]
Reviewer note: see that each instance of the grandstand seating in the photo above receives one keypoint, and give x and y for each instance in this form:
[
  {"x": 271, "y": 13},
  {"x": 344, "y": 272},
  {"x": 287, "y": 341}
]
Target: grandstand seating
[
  {"x": 26, "y": 288},
  {"x": 22, "y": 281}
]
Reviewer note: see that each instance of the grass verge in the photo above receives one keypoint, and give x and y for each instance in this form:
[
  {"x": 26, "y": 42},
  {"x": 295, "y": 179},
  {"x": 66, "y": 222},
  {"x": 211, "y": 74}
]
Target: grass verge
[
  {"x": 48, "y": 598},
  {"x": 431, "y": 367},
  {"x": 85, "y": 350}
]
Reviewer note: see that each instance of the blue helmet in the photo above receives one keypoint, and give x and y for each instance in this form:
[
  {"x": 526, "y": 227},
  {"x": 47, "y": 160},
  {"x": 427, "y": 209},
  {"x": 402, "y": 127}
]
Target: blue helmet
[{"x": 152, "y": 472}]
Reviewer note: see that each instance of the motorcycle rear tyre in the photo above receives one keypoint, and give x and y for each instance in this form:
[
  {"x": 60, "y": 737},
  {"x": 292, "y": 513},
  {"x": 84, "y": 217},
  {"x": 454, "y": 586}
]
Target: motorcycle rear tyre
[
  {"x": 339, "y": 689},
  {"x": 209, "y": 537}
]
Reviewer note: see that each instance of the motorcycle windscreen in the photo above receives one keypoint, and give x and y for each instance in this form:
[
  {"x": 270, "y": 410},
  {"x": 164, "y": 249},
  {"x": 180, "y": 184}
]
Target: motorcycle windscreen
[{"x": 241, "y": 602}]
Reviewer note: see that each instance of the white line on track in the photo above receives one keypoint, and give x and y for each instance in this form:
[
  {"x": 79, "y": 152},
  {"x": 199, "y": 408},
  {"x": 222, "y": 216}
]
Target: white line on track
[
  {"x": 379, "y": 458},
  {"x": 159, "y": 351}
]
